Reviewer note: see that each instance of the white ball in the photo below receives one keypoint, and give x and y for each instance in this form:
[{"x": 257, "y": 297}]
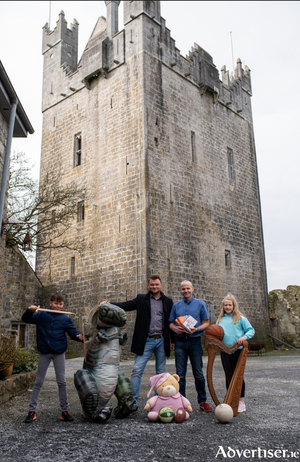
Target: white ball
[{"x": 224, "y": 413}]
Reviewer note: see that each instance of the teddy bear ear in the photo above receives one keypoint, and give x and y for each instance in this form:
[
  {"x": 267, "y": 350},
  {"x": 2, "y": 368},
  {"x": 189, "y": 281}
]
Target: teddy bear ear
[{"x": 176, "y": 377}]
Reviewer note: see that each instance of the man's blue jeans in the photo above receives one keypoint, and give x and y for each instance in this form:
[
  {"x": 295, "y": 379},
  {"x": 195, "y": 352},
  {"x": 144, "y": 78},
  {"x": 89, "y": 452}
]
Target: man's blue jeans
[
  {"x": 155, "y": 346},
  {"x": 192, "y": 348}
]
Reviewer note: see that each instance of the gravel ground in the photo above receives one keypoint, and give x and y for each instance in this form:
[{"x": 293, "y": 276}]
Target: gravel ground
[{"x": 270, "y": 424}]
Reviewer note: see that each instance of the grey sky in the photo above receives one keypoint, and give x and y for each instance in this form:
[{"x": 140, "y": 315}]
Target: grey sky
[{"x": 266, "y": 37}]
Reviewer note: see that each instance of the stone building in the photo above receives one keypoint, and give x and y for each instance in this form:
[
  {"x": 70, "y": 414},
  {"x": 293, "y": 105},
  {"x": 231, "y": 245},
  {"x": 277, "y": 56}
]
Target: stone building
[
  {"x": 19, "y": 285},
  {"x": 167, "y": 152},
  {"x": 284, "y": 311}
]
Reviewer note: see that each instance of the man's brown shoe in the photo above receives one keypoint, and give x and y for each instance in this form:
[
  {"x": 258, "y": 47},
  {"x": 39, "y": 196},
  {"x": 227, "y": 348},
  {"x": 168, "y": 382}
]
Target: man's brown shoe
[{"x": 205, "y": 407}]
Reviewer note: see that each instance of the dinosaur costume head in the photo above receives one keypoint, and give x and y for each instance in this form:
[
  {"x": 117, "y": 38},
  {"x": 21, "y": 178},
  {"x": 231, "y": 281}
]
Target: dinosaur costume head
[{"x": 111, "y": 315}]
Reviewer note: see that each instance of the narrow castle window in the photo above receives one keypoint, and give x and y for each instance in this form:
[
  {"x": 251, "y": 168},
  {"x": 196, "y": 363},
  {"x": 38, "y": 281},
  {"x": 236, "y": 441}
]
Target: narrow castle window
[
  {"x": 171, "y": 194},
  {"x": 77, "y": 150},
  {"x": 105, "y": 53},
  {"x": 168, "y": 251},
  {"x": 193, "y": 145},
  {"x": 72, "y": 266},
  {"x": 80, "y": 211},
  {"x": 227, "y": 259},
  {"x": 230, "y": 164},
  {"x": 198, "y": 254}
]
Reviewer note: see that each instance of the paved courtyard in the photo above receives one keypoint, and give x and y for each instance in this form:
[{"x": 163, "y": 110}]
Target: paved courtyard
[{"x": 269, "y": 430}]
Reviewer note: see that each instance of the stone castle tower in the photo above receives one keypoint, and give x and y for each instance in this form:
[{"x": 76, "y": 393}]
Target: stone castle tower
[{"x": 167, "y": 152}]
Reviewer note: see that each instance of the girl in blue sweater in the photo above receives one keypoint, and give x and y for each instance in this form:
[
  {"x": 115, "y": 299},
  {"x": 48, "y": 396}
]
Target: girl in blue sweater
[{"x": 236, "y": 329}]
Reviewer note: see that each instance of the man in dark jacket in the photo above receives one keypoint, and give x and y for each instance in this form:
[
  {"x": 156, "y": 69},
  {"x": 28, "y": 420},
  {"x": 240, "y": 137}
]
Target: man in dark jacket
[{"x": 151, "y": 330}]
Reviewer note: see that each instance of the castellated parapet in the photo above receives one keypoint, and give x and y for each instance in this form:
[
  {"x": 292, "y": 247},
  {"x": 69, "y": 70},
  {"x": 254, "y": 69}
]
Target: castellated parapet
[{"x": 167, "y": 153}]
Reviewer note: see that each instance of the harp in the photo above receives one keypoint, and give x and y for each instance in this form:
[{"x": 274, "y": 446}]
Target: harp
[{"x": 213, "y": 346}]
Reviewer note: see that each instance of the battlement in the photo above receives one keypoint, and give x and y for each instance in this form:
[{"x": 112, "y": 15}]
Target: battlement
[
  {"x": 66, "y": 39},
  {"x": 239, "y": 74},
  {"x": 134, "y": 9},
  {"x": 236, "y": 90},
  {"x": 198, "y": 67},
  {"x": 145, "y": 30}
]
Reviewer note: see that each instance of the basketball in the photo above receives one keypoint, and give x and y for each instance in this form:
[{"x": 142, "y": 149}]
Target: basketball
[
  {"x": 215, "y": 331},
  {"x": 224, "y": 413},
  {"x": 166, "y": 414},
  {"x": 180, "y": 415}
]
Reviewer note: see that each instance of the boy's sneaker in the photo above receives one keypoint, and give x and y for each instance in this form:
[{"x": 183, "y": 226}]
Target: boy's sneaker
[
  {"x": 242, "y": 406},
  {"x": 205, "y": 407},
  {"x": 31, "y": 416},
  {"x": 66, "y": 416}
]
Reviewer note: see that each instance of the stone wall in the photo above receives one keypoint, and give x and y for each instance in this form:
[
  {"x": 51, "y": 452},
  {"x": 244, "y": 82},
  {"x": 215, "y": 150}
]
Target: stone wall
[
  {"x": 284, "y": 311},
  {"x": 195, "y": 212},
  {"x": 156, "y": 129},
  {"x": 16, "y": 385},
  {"x": 21, "y": 289}
]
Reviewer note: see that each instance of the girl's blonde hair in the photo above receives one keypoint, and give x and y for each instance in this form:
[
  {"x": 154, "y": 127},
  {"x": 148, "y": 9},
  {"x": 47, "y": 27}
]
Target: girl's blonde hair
[{"x": 236, "y": 314}]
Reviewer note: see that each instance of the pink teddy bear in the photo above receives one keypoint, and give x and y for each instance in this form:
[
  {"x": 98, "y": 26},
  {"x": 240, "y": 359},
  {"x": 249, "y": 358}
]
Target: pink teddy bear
[{"x": 167, "y": 388}]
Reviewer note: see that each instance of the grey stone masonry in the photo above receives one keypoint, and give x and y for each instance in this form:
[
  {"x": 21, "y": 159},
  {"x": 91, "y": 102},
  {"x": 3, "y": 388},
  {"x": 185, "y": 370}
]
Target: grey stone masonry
[
  {"x": 16, "y": 385},
  {"x": 21, "y": 288},
  {"x": 169, "y": 160}
]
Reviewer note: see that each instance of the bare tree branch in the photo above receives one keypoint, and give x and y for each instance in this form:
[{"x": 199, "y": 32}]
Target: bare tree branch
[{"x": 47, "y": 211}]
